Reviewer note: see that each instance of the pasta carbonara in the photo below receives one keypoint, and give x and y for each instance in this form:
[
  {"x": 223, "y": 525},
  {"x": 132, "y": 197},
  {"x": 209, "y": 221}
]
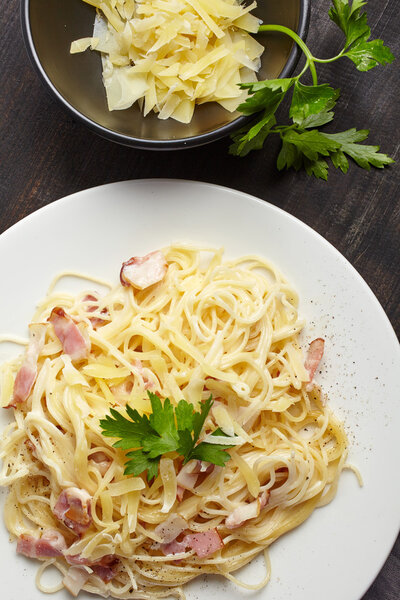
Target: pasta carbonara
[{"x": 184, "y": 324}]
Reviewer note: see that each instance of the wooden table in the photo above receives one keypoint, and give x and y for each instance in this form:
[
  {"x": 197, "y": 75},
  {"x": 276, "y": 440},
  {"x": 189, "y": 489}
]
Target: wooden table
[{"x": 45, "y": 154}]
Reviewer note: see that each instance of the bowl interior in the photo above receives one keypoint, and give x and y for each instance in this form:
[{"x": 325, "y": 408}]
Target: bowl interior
[{"x": 77, "y": 78}]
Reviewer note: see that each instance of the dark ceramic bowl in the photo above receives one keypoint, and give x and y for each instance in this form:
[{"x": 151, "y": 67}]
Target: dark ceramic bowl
[{"x": 49, "y": 27}]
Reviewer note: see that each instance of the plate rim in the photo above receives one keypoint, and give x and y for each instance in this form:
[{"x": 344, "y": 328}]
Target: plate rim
[
  {"x": 176, "y": 181},
  {"x": 77, "y": 196}
]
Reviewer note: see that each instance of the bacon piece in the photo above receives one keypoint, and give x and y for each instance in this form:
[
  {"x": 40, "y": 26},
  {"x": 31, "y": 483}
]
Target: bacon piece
[
  {"x": 264, "y": 498},
  {"x": 248, "y": 511},
  {"x": 313, "y": 358},
  {"x": 170, "y": 529},
  {"x": 125, "y": 388},
  {"x": 102, "y": 462},
  {"x": 73, "y": 342},
  {"x": 242, "y": 513},
  {"x": 95, "y": 321},
  {"x": 122, "y": 389},
  {"x": 75, "y": 579},
  {"x": 189, "y": 474},
  {"x": 174, "y": 547},
  {"x": 78, "y": 560},
  {"x": 31, "y": 447},
  {"x": 204, "y": 544},
  {"x": 180, "y": 491},
  {"x": 143, "y": 271},
  {"x": 186, "y": 478},
  {"x": 204, "y": 467},
  {"x": 90, "y": 298},
  {"x": 105, "y": 567},
  {"x": 27, "y": 374},
  {"x": 74, "y": 510},
  {"x": 105, "y": 573},
  {"x": 52, "y": 543},
  {"x": 144, "y": 372}
]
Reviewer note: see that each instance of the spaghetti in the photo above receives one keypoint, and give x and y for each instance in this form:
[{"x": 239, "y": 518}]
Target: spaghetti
[{"x": 229, "y": 329}]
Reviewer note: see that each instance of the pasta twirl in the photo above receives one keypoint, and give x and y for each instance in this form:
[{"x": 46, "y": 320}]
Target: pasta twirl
[{"x": 226, "y": 328}]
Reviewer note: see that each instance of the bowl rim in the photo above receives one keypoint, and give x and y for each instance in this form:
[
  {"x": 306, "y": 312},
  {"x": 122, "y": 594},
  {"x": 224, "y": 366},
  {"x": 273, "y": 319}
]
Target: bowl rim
[{"x": 149, "y": 144}]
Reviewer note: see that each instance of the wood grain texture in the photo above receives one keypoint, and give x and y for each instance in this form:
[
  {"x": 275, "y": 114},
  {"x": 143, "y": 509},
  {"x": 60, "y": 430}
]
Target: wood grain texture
[{"x": 45, "y": 154}]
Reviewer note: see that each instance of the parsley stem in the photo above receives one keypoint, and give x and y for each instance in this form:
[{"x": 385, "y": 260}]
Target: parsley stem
[
  {"x": 305, "y": 68},
  {"x": 329, "y": 60},
  {"x": 299, "y": 42}
]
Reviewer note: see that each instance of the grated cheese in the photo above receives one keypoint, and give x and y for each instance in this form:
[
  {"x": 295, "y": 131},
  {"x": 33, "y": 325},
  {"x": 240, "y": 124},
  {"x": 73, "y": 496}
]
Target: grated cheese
[{"x": 170, "y": 56}]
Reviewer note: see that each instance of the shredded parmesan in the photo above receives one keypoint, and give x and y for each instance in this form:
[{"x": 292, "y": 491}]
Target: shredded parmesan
[
  {"x": 170, "y": 56},
  {"x": 168, "y": 477}
]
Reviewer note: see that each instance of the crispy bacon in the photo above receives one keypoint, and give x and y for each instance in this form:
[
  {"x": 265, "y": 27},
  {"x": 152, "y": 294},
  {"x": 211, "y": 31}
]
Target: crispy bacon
[
  {"x": 27, "y": 374},
  {"x": 143, "y": 271},
  {"x": 52, "y": 543},
  {"x": 204, "y": 544},
  {"x": 75, "y": 579},
  {"x": 313, "y": 358},
  {"x": 73, "y": 508},
  {"x": 73, "y": 342},
  {"x": 246, "y": 511}
]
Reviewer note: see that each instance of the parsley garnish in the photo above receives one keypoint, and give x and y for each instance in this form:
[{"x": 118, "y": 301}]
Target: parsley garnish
[
  {"x": 304, "y": 146},
  {"x": 165, "y": 430}
]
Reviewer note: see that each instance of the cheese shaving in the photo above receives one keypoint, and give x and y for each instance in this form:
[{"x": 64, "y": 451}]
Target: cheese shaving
[{"x": 171, "y": 56}]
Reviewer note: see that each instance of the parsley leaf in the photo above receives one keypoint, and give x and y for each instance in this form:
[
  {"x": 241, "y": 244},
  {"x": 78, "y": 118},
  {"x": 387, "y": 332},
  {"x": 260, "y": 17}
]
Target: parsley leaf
[
  {"x": 311, "y": 106},
  {"x": 318, "y": 168},
  {"x": 213, "y": 453},
  {"x": 365, "y": 54},
  {"x": 199, "y": 418},
  {"x": 310, "y": 100},
  {"x": 289, "y": 156},
  {"x": 186, "y": 444},
  {"x": 322, "y": 118},
  {"x": 340, "y": 161},
  {"x": 184, "y": 415},
  {"x": 365, "y": 156},
  {"x": 311, "y": 143},
  {"x": 130, "y": 432},
  {"x": 165, "y": 430},
  {"x": 307, "y": 149},
  {"x": 139, "y": 463},
  {"x": 246, "y": 140},
  {"x": 264, "y": 95},
  {"x": 347, "y": 16},
  {"x": 162, "y": 418}
]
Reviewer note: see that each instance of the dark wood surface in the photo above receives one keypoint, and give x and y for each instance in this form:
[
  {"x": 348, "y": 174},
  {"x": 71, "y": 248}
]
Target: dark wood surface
[{"x": 45, "y": 155}]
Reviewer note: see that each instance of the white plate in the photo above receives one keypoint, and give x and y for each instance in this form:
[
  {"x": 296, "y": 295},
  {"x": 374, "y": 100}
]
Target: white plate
[{"x": 340, "y": 549}]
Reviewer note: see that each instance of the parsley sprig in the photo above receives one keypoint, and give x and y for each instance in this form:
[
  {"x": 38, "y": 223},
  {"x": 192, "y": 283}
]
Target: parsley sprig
[
  {"x": 303, "y": 145},
  {"x": 166, "y": 430}
]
